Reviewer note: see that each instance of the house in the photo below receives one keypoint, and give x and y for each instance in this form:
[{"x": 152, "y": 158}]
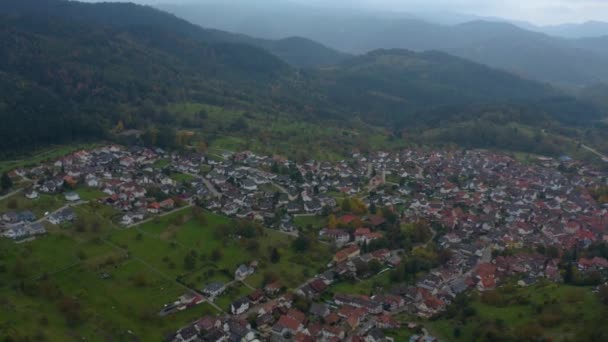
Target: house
[
  {"x": 187, "y": 334},
  {"x": 154, "y": 208},
  {"x": 62, "y": 216},
  {"x": 486, "y": 275},
  {"x": 287, "y": 326},
  {"x": 208, "y": 323},
  {"x": 130, "y": 218},
  {"x": 339, "y": 236},
  {"x": 17, "y": 232},
  {"x": 385, "y": 321},
  {"x": 214, "y": 289},
  {"x": 33, "y": 194},
  {"x": 243, "y": 272},
  {"x": 272, "y": 289},
  {"x": 365, "y": 235},
  {"x": 167, "y": 204},
  {"x": 72, "y": 197},
  {"x": 26, "y": 216},
  {"x": 256, "y": 296},
  {"x": 10, "y": 217},
  {"x": 49, "y": 187},
  {"x": 239, "y": 306},
  {"x": 214, "y": 335},
  {"x": 249, "y": 185},
  {"x": 319, "y": 310},
  {"x": 347, "y": 253},
  {"x": 375, "y": 335}
]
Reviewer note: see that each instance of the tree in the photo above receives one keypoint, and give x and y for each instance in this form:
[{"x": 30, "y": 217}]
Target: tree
[
  {"x": 346, "y": 205},
  {"x": 6, "y": 182},
  {"x": 603, "y": 293},
  {"x": 275, "y": 256},
  {"x": 372, "y": 208},
  {"x": 332, "y": 222},
  {"x": 217, "y": 255},
  {"x": 120, "y": 126},
  {"x": 301, "y": 244}
]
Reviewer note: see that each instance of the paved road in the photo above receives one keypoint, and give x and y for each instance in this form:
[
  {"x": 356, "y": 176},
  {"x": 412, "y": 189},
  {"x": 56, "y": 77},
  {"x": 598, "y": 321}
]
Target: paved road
[
  {"x": 69, "y": 205},
  {"x": 596, "y": 152},
  {"x": 207, "y": 183},
  {"x": 158, "y": 216},
  {"x": 10, "y": 194}
]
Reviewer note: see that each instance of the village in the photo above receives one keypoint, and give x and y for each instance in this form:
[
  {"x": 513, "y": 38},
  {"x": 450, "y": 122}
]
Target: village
[{"x": 487, "y": 214}]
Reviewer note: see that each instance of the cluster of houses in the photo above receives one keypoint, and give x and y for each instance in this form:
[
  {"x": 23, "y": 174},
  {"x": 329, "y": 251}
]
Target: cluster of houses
[
  {"x": 20, "y": 225},
  {"x": 273, "y": 317},
  {"x": 485, "y": 203}
]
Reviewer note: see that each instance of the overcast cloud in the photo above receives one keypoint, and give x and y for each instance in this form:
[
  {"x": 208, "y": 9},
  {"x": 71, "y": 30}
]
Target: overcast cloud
[{"x": 536, "y": 11}]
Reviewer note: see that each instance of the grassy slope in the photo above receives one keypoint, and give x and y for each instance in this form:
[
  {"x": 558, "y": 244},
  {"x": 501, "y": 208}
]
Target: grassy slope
[{"x": 138, "y": 285}]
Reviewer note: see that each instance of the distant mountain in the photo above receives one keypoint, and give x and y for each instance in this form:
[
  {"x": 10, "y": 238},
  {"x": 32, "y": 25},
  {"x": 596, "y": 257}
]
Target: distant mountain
[
  {"x": 386, "y": 85},
  {"x": 584, "y": 30},
  {"x": 126, "y": 15},
  {"x": 497, "y": 44}
]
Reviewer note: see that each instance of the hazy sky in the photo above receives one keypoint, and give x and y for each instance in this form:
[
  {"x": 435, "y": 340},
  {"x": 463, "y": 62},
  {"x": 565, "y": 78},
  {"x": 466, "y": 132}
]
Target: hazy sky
[{"x": 535, "y": 11}]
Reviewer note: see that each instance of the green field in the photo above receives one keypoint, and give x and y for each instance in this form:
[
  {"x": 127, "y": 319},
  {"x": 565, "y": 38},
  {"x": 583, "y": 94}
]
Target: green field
[
  {"x": 181, "y": 177},
  {"x": 364, "y": 287},
  {"x": 45, "y": 203},
  {"x": 543, "y": 311},
  {"x": 317, "y": 222},
  {"x": 90, "y": 194},
  {"x": 52, "y": 288}
]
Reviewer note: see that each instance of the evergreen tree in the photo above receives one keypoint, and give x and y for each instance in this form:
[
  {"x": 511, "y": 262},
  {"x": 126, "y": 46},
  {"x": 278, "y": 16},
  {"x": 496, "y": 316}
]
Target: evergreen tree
[
  {"x": 275, "y": 257},
  {"x": 6, "y": 182}
]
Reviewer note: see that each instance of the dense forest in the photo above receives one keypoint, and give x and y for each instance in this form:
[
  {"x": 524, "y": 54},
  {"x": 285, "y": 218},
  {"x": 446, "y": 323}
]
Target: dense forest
[{"x": 71, "y": 71}]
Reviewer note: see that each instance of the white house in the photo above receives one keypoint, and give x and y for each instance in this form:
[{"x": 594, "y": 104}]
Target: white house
[
  {"x": 32, "y": 195},
  {"x": 72, "y": 197}
]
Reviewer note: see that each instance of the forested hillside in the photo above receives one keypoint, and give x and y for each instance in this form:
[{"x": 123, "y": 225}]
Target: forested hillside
[
  {"x": 296, "y": 51},
  {"x": 74, "y": 71}
]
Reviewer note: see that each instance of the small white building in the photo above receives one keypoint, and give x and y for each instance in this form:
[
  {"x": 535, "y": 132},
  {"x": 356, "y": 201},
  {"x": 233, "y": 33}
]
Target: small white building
[
  {"x": 72, "y": 197},
  {"x": 32, "y": 195}
]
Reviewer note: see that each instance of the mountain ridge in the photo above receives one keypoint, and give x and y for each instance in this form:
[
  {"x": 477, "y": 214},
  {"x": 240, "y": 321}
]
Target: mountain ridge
[{"x": 504, "y": 45}]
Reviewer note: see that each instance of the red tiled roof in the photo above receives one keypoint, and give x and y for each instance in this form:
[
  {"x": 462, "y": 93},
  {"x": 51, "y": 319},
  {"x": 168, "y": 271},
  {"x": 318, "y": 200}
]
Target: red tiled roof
[{"x": 289, "y": 323}]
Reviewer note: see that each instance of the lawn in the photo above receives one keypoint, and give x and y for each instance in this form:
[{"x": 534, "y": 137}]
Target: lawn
[
  {"x": 90, "y": 194},
  {"x": 363, "y": 287},
  {"x": 555, "y": 312},
  {"x": 181, "y": 177},
  {"x": 316, "y": 221},
  {"x": 45, "y": 203}
]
